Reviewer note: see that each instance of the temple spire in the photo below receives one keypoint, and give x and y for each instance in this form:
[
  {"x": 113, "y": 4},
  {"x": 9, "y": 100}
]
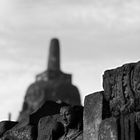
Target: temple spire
[{"x": 54, "y": 56}]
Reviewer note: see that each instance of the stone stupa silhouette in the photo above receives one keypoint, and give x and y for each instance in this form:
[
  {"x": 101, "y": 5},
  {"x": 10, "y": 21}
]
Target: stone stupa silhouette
[{"x": 52, "y": 84}]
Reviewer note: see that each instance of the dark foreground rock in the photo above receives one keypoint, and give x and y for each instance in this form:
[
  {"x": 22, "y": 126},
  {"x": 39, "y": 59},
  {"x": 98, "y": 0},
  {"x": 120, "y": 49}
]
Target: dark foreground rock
[
  {"x": 50, "y": 128},
  {"x": 24, "y": 133},
  {"x": 28, "y": 127},
  {"x": 47, "y": 109},
  {"x": 5, "y": 126}
]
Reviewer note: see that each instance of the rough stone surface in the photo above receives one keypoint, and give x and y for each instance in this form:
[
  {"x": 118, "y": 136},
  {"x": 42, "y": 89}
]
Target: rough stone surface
[
  {"x": 52, "y": 84},
  {"x": 122, "y": 91},
  {"x": 92, "y": 115},
  {"x": 47, "y": 125},
  {"x": 108, "y": 130},
  {"x": 118, "y": 89},
  {"x": 5, "y": 126},
  {"x": 24, "y": 133}
]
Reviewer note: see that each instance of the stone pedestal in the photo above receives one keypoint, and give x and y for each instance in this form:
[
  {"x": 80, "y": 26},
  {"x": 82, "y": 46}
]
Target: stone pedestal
[{"x": 93, "y": 106}]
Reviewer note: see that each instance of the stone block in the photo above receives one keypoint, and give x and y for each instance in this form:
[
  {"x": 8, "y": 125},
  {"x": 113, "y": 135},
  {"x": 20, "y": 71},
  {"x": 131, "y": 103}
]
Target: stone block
[
  {"x": 108, "y": 129},
  {"x": 93, "y": 106}
]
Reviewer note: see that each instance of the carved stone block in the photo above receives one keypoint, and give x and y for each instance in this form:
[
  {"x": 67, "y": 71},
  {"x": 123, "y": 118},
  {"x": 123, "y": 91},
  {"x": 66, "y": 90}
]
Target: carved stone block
[{"x": 122, "y": 91}]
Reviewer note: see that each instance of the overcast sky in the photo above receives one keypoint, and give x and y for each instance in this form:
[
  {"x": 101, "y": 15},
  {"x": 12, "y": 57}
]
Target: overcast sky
[{"x": 95, "y": 35}]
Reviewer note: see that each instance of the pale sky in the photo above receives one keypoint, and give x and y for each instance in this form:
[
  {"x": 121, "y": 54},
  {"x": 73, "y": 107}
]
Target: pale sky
[{"x": 95, "y": 35}]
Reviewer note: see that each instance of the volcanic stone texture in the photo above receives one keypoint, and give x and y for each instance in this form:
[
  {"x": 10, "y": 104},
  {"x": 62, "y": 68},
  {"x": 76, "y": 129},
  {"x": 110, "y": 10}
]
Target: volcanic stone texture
[{"x": 93, "y": 107}]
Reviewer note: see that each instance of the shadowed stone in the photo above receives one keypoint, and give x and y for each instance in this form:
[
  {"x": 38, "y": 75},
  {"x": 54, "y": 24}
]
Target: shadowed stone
[
  {"x": 47, "y": 126},
  {"x": 93, "y": 105},
  {"x": 27, "y": 128},
  {"x": 5, "y": 126},
  {"x": 49, "y": 108},
  {"x": 24, "y": 133}
]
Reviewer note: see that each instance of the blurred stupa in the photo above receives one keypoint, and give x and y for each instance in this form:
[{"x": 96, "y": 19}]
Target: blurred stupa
[{"x": 52, "y": 84}]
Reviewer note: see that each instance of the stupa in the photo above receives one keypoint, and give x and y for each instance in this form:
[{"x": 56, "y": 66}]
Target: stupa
[{"x": 52, "y": 84}]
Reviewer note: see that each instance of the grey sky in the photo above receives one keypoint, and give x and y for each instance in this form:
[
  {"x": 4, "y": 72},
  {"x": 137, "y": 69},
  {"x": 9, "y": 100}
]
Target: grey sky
[{"x": 95, "y": 35}]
